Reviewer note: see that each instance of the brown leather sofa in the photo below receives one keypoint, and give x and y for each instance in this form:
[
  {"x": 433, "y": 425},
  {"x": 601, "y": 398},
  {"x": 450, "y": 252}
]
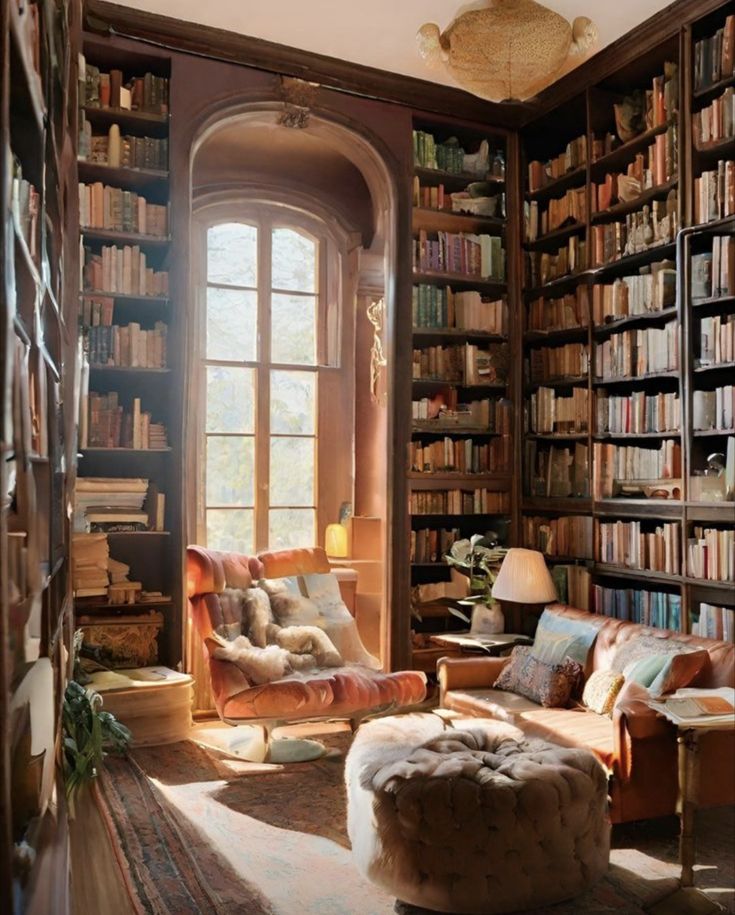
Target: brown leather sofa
[
  {"x": 342, "y": 692},
  {"x": 637, "y": 746}
]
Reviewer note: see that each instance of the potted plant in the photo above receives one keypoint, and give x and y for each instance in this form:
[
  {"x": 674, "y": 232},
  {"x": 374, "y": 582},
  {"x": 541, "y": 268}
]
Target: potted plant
[{"x": 479, "y": 558}]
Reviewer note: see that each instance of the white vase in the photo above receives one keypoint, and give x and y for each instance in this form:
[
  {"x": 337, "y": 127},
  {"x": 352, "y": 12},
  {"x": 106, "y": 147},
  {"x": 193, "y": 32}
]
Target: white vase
[{"x": 487, "y": 620}]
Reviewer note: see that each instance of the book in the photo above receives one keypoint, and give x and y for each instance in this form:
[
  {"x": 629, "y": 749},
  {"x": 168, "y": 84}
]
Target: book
[{"x": 696, "y": 706}]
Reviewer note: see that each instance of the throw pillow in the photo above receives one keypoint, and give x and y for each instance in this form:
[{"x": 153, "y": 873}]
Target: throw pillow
[
  {"x": 289, "y": 607},
  {"x": 323, "y": 589},
  {"x": 601, "y": 691},
  {"x": 644, "y": 671},
  {"x": 643, "y": 646},
  {"x": 584, "y": 633},
  {"x": 679, "y": 671},
  {"x": 553, "y": 647},
  {"x": 551, "y": 685}
]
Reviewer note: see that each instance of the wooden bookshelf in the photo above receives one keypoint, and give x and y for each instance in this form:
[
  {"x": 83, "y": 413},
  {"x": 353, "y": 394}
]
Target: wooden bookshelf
[
  {"x": 38, "y": 124},
  {"x": 155, "y": 556},
  {"x": 587, "y": 109}
]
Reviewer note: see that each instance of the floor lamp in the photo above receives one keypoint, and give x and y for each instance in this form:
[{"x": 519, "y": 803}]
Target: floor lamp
[{"x": 523, "y": 581}]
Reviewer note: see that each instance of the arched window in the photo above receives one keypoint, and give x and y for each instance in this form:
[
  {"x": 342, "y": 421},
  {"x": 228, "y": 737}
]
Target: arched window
[{"x": 269, "y": 333}]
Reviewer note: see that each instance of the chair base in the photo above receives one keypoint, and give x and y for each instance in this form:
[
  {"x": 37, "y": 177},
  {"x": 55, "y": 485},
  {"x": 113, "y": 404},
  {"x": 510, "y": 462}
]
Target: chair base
[
  {"x": 253, "y": 743},
  {"x": 685, "y": 901}
]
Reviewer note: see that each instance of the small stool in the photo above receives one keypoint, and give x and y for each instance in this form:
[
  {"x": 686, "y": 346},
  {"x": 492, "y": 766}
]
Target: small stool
[{"x": 478, "y": 820}]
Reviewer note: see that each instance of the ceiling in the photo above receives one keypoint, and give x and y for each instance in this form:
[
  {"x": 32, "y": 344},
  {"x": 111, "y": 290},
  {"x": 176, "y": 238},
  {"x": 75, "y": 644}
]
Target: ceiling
[{"x": 377, "y": 33}]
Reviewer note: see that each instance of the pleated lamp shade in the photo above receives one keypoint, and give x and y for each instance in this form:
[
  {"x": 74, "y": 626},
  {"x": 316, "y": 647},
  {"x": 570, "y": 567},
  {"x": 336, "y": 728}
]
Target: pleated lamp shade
[{"x": 524, "y": 578}]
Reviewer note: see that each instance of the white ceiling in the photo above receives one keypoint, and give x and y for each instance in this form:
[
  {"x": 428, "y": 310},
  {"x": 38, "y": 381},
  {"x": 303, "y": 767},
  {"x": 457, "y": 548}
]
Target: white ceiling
[{"x": 376, "y": 33}]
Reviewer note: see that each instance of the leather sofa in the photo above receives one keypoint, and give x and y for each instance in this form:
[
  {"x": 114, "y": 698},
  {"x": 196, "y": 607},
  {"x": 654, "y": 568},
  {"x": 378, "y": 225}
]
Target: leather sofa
[
  {"x": 350, "y": 691},
  {"x": 637, "y": 746}
]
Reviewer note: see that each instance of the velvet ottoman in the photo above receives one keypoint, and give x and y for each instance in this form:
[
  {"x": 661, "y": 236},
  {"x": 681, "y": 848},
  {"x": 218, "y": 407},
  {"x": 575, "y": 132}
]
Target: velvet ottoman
[{"x": 474, "y": 820}]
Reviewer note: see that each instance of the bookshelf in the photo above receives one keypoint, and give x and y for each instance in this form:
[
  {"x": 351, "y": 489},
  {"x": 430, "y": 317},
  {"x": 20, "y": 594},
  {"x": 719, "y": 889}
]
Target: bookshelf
[
  {"x": 460, "y": 449},
  {"x": 624, "y": 276},
  {"x": 37, "y": 438},
  {"x": 126, "y": 514}
]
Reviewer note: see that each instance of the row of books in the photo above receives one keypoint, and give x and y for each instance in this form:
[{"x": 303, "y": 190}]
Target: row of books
[
  {"x": 441, "y": 307},
  {"x": 98, "y": 89},
  {"x": 714, "y": 410},
  {"x": 713, "y": 622},
  {"x": 713, "y": 272},
  {"x": 117, "y": 496},
  {"x": 114, "y": 209},
  {"x": 640, "y": 352},
  {"x": 463, "y": 455},
  {"x": 572, "y": 207},
  {"x": 465, "y": 254},
  {"x": 619, "y": 463},
  {"x": 714, "y": 193},
  {"x": 545, "y": 363},
  {"x": 572, "y": 156},
  {"x": 432, "y": 197},
  {"x": 568, "y": 535},
  {"x": 711, "y": 554},
  {"x": 128, "y": 345},
  {"x": 109, "y": 425},
  {"x": 431, "y": 544},
  {"x": 717, "y": 340},
  {"x": 573, "y": 585},
  {"x": 651, "y": 608},
  {"x": 550, "y": 412},
  {"x": 117, "y": 150},
  {"x": 124, "y": 270},
  {"x": 655, "y": 224},
  {"x": 630, "y": 545},
  {"x": 465, "y": 363},
  {"x": 637, "y": 413},
  {"x": 568, "y": 311},
  {"x": 649, "y": 169},
  {"x": 543, "y": 266},
  {"x": 556, "y": 472},
  {"x": 650, "y": 290},
  {"x": 25, "y": 206},
  {"x": 445, "y": 413},
  {"x": 715, "y": 122},
  {"x": 458, "y": 502},
  {"x": 714, "y": 56},
  {"x": 450, "y": 156}
]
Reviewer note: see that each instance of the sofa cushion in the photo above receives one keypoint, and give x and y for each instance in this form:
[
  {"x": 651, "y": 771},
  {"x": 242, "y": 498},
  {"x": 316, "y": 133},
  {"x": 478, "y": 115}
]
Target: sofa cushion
[
  {"x": 679, "y": 671},
  {"x": 550, "y": 685},
  {"x": 575, "y": 727},
  {"x": 601, "y": 690},
  {"x": 644, "y": 645},
  {"x": 583, "y": 632},
  {"x": 644, "y": 671}
]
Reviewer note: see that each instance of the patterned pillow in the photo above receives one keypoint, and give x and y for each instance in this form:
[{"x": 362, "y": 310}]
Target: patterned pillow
[
  {"x": 551, "y": 685},
  {"x": 601, "y": 690},
  {"x": 643, "y": 646}
]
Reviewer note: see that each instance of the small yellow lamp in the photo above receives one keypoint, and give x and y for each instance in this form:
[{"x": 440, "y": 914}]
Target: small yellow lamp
[{"x": 335, "y": 541}]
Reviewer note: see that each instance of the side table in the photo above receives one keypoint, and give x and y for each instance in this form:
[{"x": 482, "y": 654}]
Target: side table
[
  {"x": 492, "y": 645},
  {"x": 687, "y": 898}
]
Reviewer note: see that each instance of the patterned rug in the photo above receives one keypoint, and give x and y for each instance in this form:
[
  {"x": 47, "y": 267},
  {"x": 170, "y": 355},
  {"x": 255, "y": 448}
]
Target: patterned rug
[{"x": 202, "y": 834}]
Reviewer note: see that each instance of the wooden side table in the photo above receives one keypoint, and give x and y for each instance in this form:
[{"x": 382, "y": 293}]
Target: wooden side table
[
  {"x": 488, "y": 645},
  {"x": 687, "y": 898}
]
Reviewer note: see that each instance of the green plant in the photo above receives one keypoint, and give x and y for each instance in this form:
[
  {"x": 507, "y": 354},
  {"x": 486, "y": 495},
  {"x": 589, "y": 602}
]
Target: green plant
[
  {"x": 480, "y": 563},
  {"x": 89, "y": 734}
]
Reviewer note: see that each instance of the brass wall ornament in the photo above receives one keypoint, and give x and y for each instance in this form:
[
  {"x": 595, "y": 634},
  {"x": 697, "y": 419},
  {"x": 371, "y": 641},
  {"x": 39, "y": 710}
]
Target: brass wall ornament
[
  {"x": 376, "y": 315},
  {"x": 298, "y": 96},
  {"x": 509, "y": 51}
]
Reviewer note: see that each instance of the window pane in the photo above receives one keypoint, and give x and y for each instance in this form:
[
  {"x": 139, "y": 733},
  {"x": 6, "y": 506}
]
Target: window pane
[
  {"x": 294, "y": 261},
  {"x": 291, "y": 527},
  {"x": 292, "y": 471},
  {"x": 293, "y": 402},
  {"x": 293, "y": 329},
  {"x": 232, "y": 254},
  {"x": 230, "y": 470},
  {"x": 231, "y": 324},
  {"x": 230, "y": 529},
  {"x": 230, "y": 399}
]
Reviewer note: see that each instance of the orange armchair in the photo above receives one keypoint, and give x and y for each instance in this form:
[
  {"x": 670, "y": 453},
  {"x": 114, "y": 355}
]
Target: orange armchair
[{"x": 351, "y": 691}]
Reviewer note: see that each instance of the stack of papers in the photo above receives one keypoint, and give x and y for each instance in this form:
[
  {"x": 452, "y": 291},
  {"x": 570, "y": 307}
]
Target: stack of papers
[{"x": 698, "y": 707}]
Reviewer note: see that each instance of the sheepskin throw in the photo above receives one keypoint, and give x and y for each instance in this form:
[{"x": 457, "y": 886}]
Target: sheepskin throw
[{"x": 474, "y": 820}]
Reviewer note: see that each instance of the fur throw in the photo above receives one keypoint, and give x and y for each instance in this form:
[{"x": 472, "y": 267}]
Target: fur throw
[
  {"x": 260, "y": 665},
  {"x": 311, "y": 642},
  {"x": 290, "y": 609}
]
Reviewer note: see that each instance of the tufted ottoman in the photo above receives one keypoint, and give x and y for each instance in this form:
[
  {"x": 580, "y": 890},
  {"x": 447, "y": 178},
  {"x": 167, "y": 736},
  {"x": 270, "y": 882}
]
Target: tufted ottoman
[{"x": 477, "y": 820}]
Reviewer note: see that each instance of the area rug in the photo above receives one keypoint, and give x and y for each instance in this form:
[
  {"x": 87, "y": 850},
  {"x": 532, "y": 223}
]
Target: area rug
[{"x": 260, "y": 839}]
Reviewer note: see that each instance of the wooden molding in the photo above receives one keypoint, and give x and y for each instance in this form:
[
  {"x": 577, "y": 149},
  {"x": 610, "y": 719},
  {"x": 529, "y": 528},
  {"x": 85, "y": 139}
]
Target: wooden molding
[{"x": 111, "y": 19}]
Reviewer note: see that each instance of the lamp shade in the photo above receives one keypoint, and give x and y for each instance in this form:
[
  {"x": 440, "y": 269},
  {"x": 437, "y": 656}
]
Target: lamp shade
[
  {"x": 524, "y": 579},
  {"x": 335, "y": 541}
]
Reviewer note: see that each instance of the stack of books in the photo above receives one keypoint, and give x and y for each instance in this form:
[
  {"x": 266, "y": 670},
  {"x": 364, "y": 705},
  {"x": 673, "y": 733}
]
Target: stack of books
[
  {"x": 110, "y": 426},
  {"x": 714, "y": 193},
  {"x": 711, "y": 554},
  {"x": 651, "y": 608},
  {"x": 568, "y": 535},
  {"x": 458, "y": 502},
  {"x": 552, "y": 413},
  {"x": 127, "y": 345},
  {"x": 117, "y": 210},
  {"x": 637, "y": 353},
  {"x": 713, "y": 272},
  {"x": 549, "y": 363},
  {"x": 620, "y": 463},
  {"x": 716, "y": 122},
  {"x": 123, "y": 270},
  {"x": 464, "y": 254},
  {"x": 111, "y": 504},
  {"x": 568, "y": 311},
  {"x": 630, "y": 545},
  {"x": 638, "y": 413},
  {"x": 651, "y": 290},
  {"x": 98, "y": 89},
  {"x": 714, "y": 56},
  {"x": 572, "y": 156}
]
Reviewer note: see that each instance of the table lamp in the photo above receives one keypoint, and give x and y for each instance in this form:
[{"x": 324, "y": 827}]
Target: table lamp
[{"x": 524, "y": 579}]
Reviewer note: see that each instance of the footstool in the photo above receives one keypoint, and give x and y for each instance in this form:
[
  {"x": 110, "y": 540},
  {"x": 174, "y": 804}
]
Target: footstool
[{"x": 474, "y": 820}]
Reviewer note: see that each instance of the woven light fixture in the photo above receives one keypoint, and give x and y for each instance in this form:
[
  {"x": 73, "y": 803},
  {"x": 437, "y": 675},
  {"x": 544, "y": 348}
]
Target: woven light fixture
[{"x": 509, "y": 51}]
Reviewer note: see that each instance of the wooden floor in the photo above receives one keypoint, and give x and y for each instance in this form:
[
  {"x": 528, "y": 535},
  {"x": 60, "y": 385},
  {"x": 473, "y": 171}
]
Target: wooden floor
[{"x": 97, "y": 883}]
